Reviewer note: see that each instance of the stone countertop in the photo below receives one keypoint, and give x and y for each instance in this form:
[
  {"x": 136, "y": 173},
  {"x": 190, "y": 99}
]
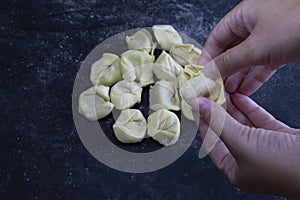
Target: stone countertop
[{"x": 42, "y": 46}]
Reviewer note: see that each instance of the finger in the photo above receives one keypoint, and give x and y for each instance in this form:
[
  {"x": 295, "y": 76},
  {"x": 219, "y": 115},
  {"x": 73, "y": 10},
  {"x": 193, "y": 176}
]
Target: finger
[
  {"x": 254, "y": 80},
  {"x": 233, "y": 82},
  {"x": 236, "y": 113},
  {"x": 230, "y": 29},
  {"x": 232, "y": 60},
  {"x": 256, "y": 114},
  {"x": 217, "y": 151},
  {"x": 230, "y": 131}
]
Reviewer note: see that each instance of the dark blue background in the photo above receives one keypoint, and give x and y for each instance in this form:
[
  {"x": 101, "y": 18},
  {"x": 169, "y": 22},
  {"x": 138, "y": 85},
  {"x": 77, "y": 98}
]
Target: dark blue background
[{"x": 42, "y": 46}]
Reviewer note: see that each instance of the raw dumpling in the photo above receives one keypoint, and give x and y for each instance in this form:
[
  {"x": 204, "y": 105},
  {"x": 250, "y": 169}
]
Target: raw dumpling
[
  {"x": 144, "y": 74},
  {"x": 186, "y": 110},
  {"x": 106, "y": 71},
  {"x": 132, "y": 59},
  {"x": 166, "y": 36},
  {"x": 164, "y": 127},
  {"x": 125, "y": 94},
  {"x": 131, "y": 126},
  {"x": 94, "y": 103},
  {"x": 185, "y": 54},
  {"x": 164, "y": 95},
  {"x": 166, "y": 67},
  {"x": 141, "y": 40},
  {"x": 201, "y": 86},
  {"x": 189, "y": 72}
]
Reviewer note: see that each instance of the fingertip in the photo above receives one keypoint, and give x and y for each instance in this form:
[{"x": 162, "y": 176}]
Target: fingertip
[
  {"x": 237, "y": 97},
  {"x": 199, "y": 104}
]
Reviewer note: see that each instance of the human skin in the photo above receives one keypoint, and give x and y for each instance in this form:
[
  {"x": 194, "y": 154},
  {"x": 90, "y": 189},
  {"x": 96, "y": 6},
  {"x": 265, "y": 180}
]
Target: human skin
[{"x": 256, "y": 152}]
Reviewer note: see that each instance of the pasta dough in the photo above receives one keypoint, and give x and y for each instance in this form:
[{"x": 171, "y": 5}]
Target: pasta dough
[
  {"x": 194, "y": 83},
  {"x": 166, "y": 36},
  {"x": 106, "y": 71},
  {"x": 185, "y": 54},
  {"x": 141, "y": 40},
  {"x": 144, "y": 74},
  {"x": 164, "y": 95},
  {"x": 186, "y": 110},
  {"x": 130, "y": 127},
  {"x": 125, "y": 94},
  {"x": 189, "y": 72},
  {"x": 94, "y": 103},
  {"x": 164, "y": 127},
  {"x": 166, "y": 67},
  {"x": 132, "y": 59}
]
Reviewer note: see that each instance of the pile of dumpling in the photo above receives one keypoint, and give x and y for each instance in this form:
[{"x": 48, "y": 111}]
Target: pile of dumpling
[{"x": 119, "y": 80}]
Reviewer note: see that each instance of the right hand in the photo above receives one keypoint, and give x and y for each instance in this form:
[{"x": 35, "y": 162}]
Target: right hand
[{"x": 261, "y": 33}]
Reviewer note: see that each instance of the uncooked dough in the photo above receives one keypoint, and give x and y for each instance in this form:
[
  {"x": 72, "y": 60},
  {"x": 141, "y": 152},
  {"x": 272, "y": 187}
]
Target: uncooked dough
[
  {"x": 94, "y": 103},
  {"x": 164, "y": 127},
  {"x": 125, "y": 94},
  {"x": 197, "y": 84},
  {"x": 185, "y": 54},
  {"x": 106, "y": 71},
  {"x": 141, "y": 40},
  {"x": 132, "y": 59},
  {"x": 166, "y": 36},
  {"x": 166, "y": 67},
  {"x": 164, "y": 95},
  {"x": 144, "y": 74},
  {"x": 130, "y": 126},
  {"x": 186, "y": 110}
]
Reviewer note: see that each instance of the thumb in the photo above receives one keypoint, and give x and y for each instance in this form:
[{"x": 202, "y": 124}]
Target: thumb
[
  {"x": 231, "y": 132},
  {"x": 232, "y": 60}
]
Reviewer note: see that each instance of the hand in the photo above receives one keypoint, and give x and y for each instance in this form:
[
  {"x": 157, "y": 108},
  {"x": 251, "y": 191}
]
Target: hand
[
  {"x": 261, "y": 157},
  {"x": 260, "y": 33}
]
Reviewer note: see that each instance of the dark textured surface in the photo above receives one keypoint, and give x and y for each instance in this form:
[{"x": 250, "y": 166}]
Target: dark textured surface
[{"x": 42, "y": 45}]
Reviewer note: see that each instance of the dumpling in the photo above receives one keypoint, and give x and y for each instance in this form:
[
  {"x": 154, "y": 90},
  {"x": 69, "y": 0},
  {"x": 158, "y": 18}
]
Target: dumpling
[
  {"x": 166, "y": 67},
  {"x": 202, "y": 86},
  {"x": 144, "y": 74},
  {"x": 164, "y": 127},
  {"x": 94, "y": 103},
  {"x": 141, "y": 40},
  {"x": 106, "y": 71},
  {"x": 125, "y": 94},
  {"x": 166, "y": 36},
  {"x": 185, "y": 54},
  {"x": 164, "y": 95},
  {"x": 132, "y": 59},
  {"x": 130, "y": 126},
  {"x": 186, "y": 110},
  {"x": 189, "y": 72}
]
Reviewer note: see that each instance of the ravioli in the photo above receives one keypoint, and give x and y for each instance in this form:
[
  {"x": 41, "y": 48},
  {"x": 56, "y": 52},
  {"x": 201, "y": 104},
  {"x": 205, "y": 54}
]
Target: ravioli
[
  {"x": 141, "y": 40},
  {"x": 132, "y": 59},
  {"x": 106, "y": 71},
  {"x": 166, "y": 68},
  {"x": 164, "y": 127},
  {"x": 164, "y": 95},
  {"x": 125, "y": 94},
  {"x": 94, "y": 103},
  {"x": 166, "y": 36},
  {"x": 130, "y": 126},
  {"x": 197, "y": 84},
  {"x": 186, "y": 54}
]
